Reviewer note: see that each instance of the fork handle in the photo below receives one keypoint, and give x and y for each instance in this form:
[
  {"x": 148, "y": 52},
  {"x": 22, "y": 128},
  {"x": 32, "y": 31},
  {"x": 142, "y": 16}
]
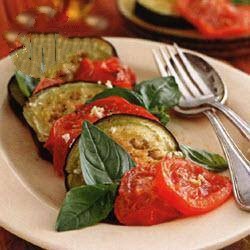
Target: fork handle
[
  {"x": 242, "y": 125},
  {"x": 239, "y": 166}
]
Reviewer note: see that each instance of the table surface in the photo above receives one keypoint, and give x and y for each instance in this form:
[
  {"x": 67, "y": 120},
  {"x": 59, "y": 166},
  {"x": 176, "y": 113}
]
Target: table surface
[{"x": 117, "y": 27}]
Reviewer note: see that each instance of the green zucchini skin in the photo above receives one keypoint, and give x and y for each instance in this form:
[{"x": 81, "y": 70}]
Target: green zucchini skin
[
  {"x": 17, "y": 100},
  {"x": 157, "y": 18},
  {"x": 73, "y": 155}
]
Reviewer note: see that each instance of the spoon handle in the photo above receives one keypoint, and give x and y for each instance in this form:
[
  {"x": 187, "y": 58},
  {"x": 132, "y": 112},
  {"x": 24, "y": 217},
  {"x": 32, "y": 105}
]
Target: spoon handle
[
  {"x": 242, "y": 125},
  {"x": 239, "y": 166}
]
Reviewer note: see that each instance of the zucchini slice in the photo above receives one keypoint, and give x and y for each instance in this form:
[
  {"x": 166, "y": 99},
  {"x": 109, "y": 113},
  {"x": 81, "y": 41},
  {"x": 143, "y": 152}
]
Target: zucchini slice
[
  {"x": 160, "y": 12},
  {"x": 42, "y": 54},
  {"x": 45, "y": 107},
  {"x": 146, "y": 141}
]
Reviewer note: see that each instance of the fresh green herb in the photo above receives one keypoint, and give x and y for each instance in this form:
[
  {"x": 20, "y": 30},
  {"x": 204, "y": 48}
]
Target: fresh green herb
[
  {"x": 159, "y": 95},
  {"x": 103, "y": 161},
  {"x": 127, "y": 94},
  {"x": 211, "y": 161},
  {"x": 161, "y": 113},
  {"x": 85, "y": 206},
  {"x": 16, "y": 93},
  {"x": 161, "y": 91},
  {"x": 26, "y": 83},
  {"x": 244, "y": 2}
]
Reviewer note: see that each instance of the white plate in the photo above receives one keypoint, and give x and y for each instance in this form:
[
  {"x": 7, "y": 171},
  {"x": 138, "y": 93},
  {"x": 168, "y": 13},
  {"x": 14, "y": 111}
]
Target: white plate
[{"x": 31, "y": 193}]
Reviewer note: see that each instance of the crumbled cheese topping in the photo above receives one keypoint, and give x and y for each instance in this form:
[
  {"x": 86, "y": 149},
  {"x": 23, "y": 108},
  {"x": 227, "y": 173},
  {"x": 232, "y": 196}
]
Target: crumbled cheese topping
[
  {"x": 97, "y": 112},
  {"x": 195, "y": 181},
  {"x": 109, "y": 84},
  {"x": 77, "y": 171},
  {"x": 99, "y": 82},
  {"x": 198, "y": 181},
  {"x": 177, "y": 154},
  {"x": 201, "y": 178},
  {"x": 113, "y": 130},
  {"x": 66, "y": 137}
]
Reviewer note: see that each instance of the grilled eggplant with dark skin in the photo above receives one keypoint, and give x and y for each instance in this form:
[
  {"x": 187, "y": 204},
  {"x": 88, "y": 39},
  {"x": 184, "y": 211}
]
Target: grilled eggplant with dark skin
[
  {"x": 145, "y": 140},
  {"x": 17, "y": 100},
  {"x": 94, "y": 48}
]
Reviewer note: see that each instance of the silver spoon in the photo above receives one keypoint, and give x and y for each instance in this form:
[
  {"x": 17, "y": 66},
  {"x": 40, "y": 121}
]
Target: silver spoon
[
  {"x": 212, "y": 90},
  {"x": 239, "y": 166}
]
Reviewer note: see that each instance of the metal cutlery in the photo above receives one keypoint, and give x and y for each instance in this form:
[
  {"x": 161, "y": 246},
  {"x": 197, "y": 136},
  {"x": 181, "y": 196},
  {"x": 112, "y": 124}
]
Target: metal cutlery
[
  {"x": 198, "y": 98},
  {"x": 187, "y": 73}
]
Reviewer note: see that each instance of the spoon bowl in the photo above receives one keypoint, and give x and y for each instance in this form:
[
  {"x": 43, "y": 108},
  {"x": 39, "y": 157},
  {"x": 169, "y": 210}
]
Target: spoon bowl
[{"x": 211, "y": 78}]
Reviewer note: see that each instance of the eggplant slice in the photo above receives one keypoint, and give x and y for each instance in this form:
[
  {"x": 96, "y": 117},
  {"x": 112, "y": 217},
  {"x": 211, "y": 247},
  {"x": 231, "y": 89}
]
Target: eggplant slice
[
  {"x": 161, "y": 12},
  {"x": 16, "y": 98},
  {"x": 145, "y": 140},
  {"x": 42, "y": 54},
  {"x": 40, "y": 48},
  {"x": 44, "y": 108}
]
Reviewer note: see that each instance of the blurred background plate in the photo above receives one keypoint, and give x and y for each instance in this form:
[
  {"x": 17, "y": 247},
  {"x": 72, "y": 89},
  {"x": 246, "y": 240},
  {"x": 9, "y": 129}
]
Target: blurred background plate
[{"x": 188, "y": 38}]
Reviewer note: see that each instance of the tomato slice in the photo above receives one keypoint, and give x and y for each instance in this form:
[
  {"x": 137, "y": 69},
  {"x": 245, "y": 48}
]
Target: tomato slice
[
  {"x": 100, "y": 71},
  {"x": 216, "y": 18},
  {"x": 67, "y": 128},
  {"x": 108, "y": 70},
  {"x": 190, "y": 188},
  {"x": 137, "y": 203},
  {"x": 46, "y": 83}
]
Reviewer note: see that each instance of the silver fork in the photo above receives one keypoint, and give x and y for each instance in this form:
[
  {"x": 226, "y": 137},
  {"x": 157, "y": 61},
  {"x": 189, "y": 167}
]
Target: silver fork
[
  {"x": 192, "y": 97},
  {"x": 207, "y": 97}
]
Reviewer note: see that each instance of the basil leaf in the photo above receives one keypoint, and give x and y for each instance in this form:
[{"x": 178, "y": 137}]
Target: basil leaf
[
  {"x": 103, "y": 161},
  {"x": 244, "y": 2},
  {"x": 161, "y": 113},
  {"x": 157, "y": 95},
  {"x": 26, "y": 83},
  {"x": 85, "y": 206},
  {"x": 211, "y": 161},
  {"x": 159, "y": 92},
  {"x": 127, "y": 94}
]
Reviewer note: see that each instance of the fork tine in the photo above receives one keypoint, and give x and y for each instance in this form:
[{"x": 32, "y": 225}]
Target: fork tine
[
  {"x": 185, "y": 93},
  {"x": 159, "y": 64},
  {"x": 187, "y": 81},
  {"x": 190, "y": 69}
]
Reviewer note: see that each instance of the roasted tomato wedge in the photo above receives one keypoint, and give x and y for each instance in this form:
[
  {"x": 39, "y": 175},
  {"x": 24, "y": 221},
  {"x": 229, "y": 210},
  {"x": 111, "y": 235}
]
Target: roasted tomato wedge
[
  {"x": 137, "y": 203},
  {"x": 110, "y": 71},
  {"x": 46, "y": 83},
  {"x": 216, "y": 18},
  {"x": 190, "y": 188},
  {"x": 66, "y": 129},
  {"x": 103, "y": 71}
]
